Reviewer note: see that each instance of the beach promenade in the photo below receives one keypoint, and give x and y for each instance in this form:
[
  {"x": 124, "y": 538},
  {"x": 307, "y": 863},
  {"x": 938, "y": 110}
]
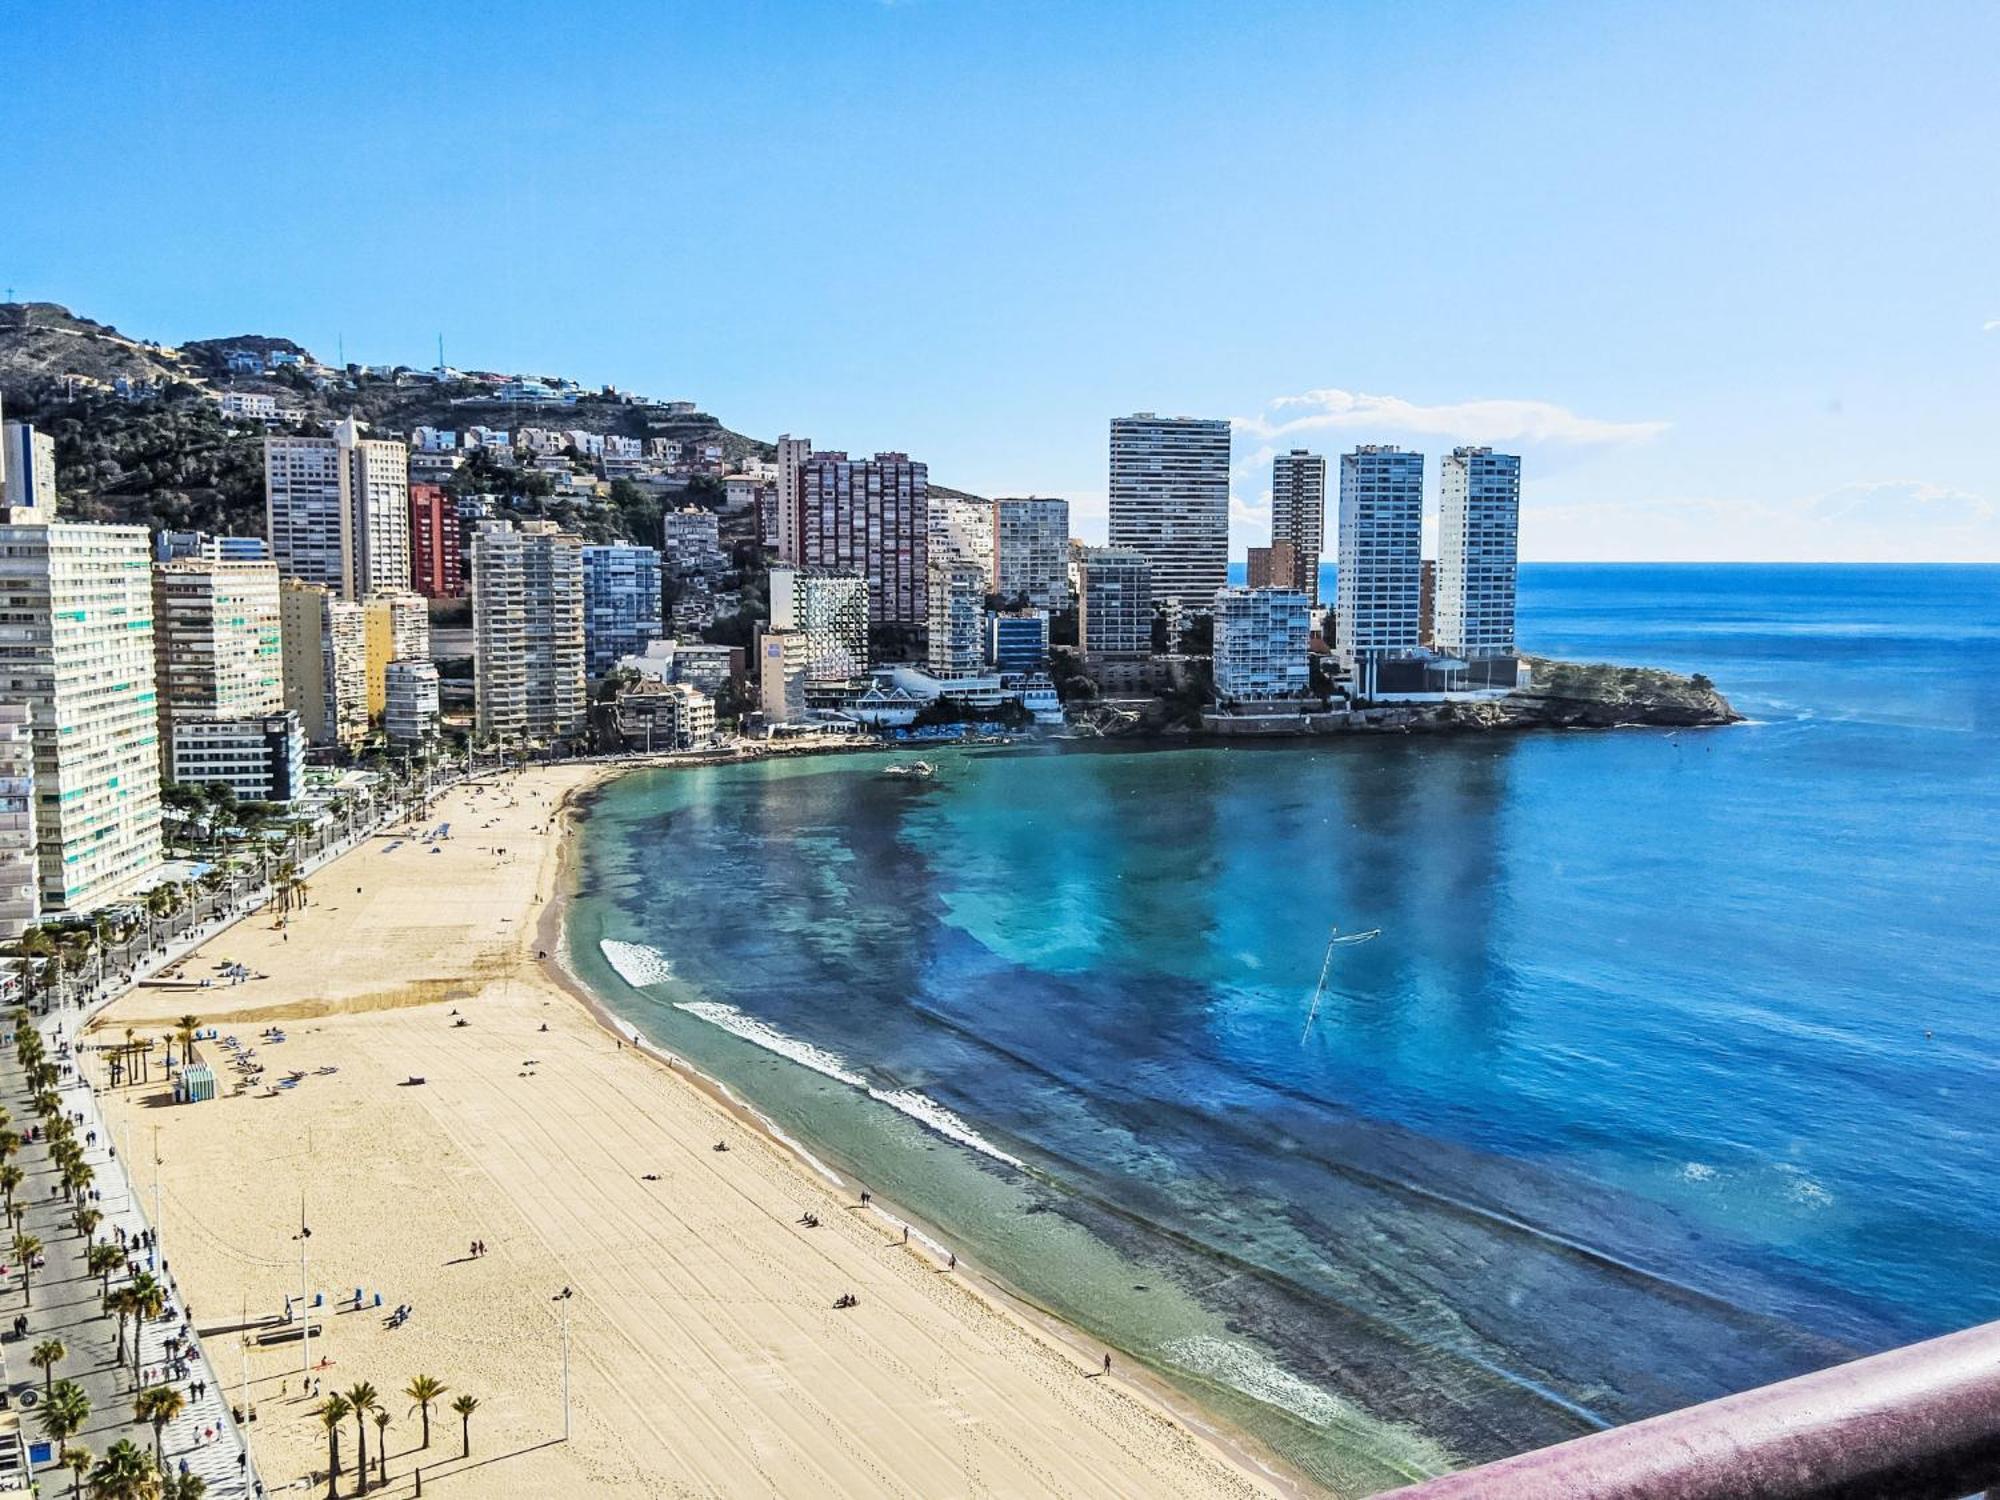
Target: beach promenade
[{"x": 706, "y": 1356}]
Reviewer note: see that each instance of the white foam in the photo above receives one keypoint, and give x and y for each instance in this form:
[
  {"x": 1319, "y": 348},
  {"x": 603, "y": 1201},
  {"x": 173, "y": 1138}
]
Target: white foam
[
  {"x": 756, "y": 1032},
  {"x": 922, "y": 1108},
  {"x": 927, "y": 1111},
  {"x": 637, "y": 964},
  {"x": 1697, "y": 1171}
]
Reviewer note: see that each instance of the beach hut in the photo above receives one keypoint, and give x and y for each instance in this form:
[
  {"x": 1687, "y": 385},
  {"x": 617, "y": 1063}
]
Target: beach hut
[{"x": 193, "y": 1083}]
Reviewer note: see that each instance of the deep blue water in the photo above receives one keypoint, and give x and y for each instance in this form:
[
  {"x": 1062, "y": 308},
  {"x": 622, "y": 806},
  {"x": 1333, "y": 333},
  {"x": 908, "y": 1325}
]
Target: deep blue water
[{"x": 1670, "y": 1072}]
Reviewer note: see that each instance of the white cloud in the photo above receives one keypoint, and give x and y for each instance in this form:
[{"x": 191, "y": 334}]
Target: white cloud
[
  {"x": 1900, "y": 503},
  {"x": 1490, "y": 421},
  {"x": 1991, "y": 325}
]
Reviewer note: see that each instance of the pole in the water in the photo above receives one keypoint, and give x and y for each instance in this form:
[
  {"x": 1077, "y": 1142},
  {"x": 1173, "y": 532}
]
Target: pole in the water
[{"x": 1336, "y": 940}]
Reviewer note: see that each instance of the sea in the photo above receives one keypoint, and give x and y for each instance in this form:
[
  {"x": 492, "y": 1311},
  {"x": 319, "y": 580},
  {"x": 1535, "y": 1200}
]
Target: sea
[{"x": 1666, "y": 1067}]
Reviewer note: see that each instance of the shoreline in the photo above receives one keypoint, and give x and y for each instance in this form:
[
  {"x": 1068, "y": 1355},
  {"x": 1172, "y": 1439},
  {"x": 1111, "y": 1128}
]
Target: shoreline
[
  {"x": 1241, "y": 1449},
  {"x": 395, "y": 1178}
]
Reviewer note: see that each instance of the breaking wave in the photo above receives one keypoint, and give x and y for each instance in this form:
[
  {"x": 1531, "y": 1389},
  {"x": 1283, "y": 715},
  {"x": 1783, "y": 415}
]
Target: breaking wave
[
  {"x": 636, "y": 964},
  {"x": 925, "y": 1110}
]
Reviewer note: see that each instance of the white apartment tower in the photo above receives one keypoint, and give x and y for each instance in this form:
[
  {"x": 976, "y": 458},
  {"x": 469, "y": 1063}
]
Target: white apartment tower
[
  {"x": 1380, "y": 559},
  {"x": 829, "y": 610},
  {"x": 1261, "y": 636},
  {"x": 337, "y": 510},
  {"x": 1031, "y": 551},
  {"x": 956, "y": 597},
  {"x": 792, "y": 455},
  {"x": 1298, "y": 515},
  {"x": 76, "y": 646},
  {"x": 1479, "y": 515},
  {"x": 219, "y": 648},
  {"x": 527, "y": 626},
  {"x": 1114, "y": 603},
  {"x": 1170, "y": 502},
  {"x": 412, "y": 712}
]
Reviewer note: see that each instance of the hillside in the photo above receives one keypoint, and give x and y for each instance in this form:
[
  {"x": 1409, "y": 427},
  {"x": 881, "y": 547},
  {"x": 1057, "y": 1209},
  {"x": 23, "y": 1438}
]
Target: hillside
[{"x": 161, "y": 454}]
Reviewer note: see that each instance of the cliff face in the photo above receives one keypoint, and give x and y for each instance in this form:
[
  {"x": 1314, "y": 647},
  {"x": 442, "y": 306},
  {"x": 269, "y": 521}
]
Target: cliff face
[
  {"x": 1597, "y": 695},
  {"x": 1565, "y": 695}
]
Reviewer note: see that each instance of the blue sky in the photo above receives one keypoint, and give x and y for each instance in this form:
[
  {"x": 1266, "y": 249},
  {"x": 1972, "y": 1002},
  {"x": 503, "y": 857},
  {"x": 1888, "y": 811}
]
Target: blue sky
[{"x": 1728, "y": 276}]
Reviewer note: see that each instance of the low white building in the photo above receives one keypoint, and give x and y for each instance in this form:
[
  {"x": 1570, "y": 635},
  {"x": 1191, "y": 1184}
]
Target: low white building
[{"x": 411, "y": 711}]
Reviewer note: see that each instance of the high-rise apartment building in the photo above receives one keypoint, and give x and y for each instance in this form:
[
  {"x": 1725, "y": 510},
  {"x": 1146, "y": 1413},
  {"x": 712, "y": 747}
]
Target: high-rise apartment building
[
  {"x": 792, "y": 456},
  {"x": 956, "y": 601},
  {"x": 1298, "y": 517},
  {"x": 326, "y": 663},
  {"x": 962, "y": 531},
  {"x": 1114, "y": 603},
  {"x": 872, "y": 517},
  {"x": 437, "y": 558},
  {"x": 829, "y": 609},
  {"x": 337, "y": 510},
  {"x": 218, "y": 645},
  {"x": 1261, "y": 636},
  {"x": 27, "y": 474},
  {"x": 1380, "y": 550},
  {"x": 1479, "y": 517},
  {"x": 20, "y": 881},
  {"x": 217, "y": 639},
  {"x": 396, "y": 626},
  {"x": 1031, "y": 551},
  {"x": 76, "y": 646},
  {"x": 1170, "y": 502},
  {"x": 529, "y": 675},
  {"x": 621, "y": 603}
]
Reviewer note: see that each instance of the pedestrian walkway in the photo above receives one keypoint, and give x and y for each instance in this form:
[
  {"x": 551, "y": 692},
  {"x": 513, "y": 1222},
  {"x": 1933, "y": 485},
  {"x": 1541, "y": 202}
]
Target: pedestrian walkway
[{"x": 66, "y": 1298}]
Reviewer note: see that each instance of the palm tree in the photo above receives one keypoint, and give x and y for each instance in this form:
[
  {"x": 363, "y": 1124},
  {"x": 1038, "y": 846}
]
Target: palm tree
[
  {"x": 126, "y": 1472},
  {"x": 424, "y": 1389},
  {"x": 149, "y": 1300},
  {"x": 159, "y": 1405},
  {"x": 465, "y": 1406},
  {"x": 124, "y": 1303},
  {"x": 382, "y": 1447},
  {"x": 76, "y": 1460},
  {"x": 362, "y": 1398},
  {"x": 101, "y": 1260},
  {"x": 86, "y": 1220},
  {"x": 332, "y": 1412},
  {"x": 11, "y": 1176},
  {"x": 64, "y": 1412},
  {"x": 26, "y": 1248},
  {"x": 48, "y": 1354},
  {"x": 190, "y": 1486},
  {"x": 185, "y": 1028}
]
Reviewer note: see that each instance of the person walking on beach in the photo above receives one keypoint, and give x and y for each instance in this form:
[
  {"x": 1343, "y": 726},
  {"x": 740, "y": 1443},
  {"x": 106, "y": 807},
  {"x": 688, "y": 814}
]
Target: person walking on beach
[{"x": 1107, "y": 1364}]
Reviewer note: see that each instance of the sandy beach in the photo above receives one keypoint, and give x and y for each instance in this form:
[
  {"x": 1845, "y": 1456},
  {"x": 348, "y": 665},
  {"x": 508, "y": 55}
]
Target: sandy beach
[{"x": 706, "y": 1356}]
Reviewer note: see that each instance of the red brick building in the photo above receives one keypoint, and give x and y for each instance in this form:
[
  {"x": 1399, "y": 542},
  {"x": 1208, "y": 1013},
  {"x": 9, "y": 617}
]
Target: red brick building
[{"x": 437, "y": 569}]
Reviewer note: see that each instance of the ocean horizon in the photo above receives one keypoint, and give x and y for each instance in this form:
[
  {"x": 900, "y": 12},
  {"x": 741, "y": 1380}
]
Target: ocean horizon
[{"x": 1595, "y": 1127}]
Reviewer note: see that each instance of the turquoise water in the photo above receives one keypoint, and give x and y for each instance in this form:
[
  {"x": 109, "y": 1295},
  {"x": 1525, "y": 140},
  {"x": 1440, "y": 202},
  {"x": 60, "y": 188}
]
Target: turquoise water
[{"x": 1667, "y": 1075}]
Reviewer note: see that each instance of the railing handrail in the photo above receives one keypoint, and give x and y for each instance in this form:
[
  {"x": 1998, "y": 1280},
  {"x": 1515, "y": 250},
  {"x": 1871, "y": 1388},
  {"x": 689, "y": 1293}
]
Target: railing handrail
[{"x": 1921, "y": 1422}]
